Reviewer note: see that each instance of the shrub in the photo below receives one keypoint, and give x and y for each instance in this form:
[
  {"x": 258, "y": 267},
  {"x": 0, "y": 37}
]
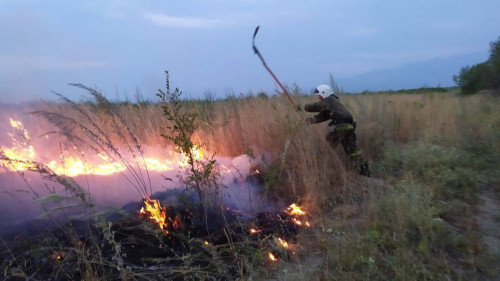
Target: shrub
[
  {"x": 473, "y": 78},
  {"x": 494, "y": 64},
  {"x": 481, "y": 76}
]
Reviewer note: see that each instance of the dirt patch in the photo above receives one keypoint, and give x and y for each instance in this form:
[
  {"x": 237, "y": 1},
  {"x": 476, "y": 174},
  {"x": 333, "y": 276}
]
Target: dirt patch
[{"x": 489, "y": 220}]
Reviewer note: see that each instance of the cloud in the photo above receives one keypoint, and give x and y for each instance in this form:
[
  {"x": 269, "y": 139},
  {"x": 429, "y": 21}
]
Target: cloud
[{"x": 190, "y": 22}]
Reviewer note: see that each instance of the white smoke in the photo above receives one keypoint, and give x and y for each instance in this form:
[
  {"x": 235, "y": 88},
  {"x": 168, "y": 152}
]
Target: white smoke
[
  {"x": 241, "y": 184},
  {"x": 19, "y": 191}
]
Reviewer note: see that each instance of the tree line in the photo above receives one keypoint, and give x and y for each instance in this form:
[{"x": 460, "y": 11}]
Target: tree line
[{"x": 481, "y": 76}]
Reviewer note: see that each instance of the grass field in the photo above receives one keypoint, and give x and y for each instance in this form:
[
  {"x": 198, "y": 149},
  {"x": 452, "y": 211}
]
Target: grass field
[{"x": 433, "y": 156}]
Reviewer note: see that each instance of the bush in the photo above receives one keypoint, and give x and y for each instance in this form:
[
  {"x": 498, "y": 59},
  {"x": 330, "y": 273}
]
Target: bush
[
  {"x": 473, "y": 78},
  {"x": 494, "y": 64},
  {"x": 481, "y": 76}
]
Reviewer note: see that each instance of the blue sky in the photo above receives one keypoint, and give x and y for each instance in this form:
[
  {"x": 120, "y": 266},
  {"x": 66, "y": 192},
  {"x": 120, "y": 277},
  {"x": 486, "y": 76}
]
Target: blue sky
[{"x": 121, "y": 46}]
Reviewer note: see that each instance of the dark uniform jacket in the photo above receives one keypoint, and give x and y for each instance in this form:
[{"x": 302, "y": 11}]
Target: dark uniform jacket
[{"x": 329, "y": 108}]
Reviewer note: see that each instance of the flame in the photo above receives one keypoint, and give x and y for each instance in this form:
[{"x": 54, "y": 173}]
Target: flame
[
  {"x": 157, "y": 165},
  {"x": 19, "y": 126},
  {"x": 296, "y": 210},
  {"x": 58, "y": 255},
  {"x": 23, "y": 158},
  {"x": 22, "y": 152},
  {"x": 72, "y": 163},
  {"x": 197, "y": 153},
  {"x": 296, "y": 221},
  {"x": 272, "y": 257},
  {"x": 254, "y": 231},
  {"x": 155, "y": 212},
  {"x": 283, "y": 243}
]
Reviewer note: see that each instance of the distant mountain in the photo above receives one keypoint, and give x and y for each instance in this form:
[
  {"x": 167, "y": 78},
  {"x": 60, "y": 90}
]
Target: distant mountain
[{"x": 430, "y": 73}]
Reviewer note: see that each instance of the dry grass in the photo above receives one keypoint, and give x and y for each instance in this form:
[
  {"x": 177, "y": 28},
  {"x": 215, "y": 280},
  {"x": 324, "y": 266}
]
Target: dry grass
[{"x": 433, "y": 153}]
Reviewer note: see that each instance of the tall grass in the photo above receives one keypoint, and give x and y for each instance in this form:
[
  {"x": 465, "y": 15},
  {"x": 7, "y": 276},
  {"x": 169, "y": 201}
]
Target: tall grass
[
  {"x": 431, "y": 152},
  {"x": 262, "y": 124}
]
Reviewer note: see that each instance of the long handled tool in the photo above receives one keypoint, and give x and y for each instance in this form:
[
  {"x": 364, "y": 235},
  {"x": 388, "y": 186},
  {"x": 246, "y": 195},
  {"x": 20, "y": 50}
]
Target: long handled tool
[{"x": 265, "y": 65}]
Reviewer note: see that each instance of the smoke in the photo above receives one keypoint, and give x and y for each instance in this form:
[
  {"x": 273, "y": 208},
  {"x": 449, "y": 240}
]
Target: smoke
[
  {"x": 244, "y": 188},
  {"x": 240, "y": 188},
  {"x": 26, "y": 195}
]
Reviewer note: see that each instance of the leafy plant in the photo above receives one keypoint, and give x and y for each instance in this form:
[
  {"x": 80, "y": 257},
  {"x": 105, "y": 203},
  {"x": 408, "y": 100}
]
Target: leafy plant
[{"x": 201, "y": 173}]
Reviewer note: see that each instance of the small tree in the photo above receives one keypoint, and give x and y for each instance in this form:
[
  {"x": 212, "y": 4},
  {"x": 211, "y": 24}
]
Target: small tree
[
  {"x": 494, "y": 64},
  {"x": 481, "y": 76},
  {"x": 472, "y": 79},
  {"x": 201, "y": 173}
]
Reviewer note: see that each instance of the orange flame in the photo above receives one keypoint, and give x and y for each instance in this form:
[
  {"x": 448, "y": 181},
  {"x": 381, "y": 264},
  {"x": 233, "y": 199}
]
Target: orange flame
[
  {"x": 296, "y": 210},
  {"x": 296, "y": 221},
  {"x": 283, "y": 243},
  {"x": 197, "y": 153},
  {"x": 272, "y": 257},
  {"x": 254, "y": 231},
  {"x": 19, "y": 126},
  {"x": 22, "y": 151},
  {"x": 71, "y": 163},
  {"x": 155, "y": 212}
]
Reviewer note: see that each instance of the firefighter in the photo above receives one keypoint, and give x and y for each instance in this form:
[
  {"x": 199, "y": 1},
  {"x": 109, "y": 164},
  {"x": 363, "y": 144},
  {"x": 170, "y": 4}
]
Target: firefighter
[{"x": 342, "y": 125}]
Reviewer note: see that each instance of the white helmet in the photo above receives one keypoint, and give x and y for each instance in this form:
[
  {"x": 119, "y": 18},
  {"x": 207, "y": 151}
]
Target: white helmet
[{"x": 323, "y": 91}]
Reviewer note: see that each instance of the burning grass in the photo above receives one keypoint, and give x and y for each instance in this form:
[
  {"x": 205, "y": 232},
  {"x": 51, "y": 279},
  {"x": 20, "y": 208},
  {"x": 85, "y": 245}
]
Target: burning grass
[{"x": 157, "y": 242}]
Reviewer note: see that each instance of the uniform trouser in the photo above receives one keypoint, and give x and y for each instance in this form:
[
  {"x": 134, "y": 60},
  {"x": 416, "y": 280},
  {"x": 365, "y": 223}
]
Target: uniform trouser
[{"x": 346, "y": 135}]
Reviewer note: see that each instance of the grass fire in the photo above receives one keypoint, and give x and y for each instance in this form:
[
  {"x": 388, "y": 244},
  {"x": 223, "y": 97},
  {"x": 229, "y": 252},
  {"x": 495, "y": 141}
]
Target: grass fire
[{"x": 243, "y": 188}]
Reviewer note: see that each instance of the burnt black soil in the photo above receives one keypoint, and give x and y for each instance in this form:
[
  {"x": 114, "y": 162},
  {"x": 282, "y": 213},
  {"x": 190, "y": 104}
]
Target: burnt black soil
[{"x": 201, "y": 241}]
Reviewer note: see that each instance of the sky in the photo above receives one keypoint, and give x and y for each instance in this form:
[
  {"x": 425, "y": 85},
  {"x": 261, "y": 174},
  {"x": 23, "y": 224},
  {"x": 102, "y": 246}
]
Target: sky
[{"x": 123, "y": 47}]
